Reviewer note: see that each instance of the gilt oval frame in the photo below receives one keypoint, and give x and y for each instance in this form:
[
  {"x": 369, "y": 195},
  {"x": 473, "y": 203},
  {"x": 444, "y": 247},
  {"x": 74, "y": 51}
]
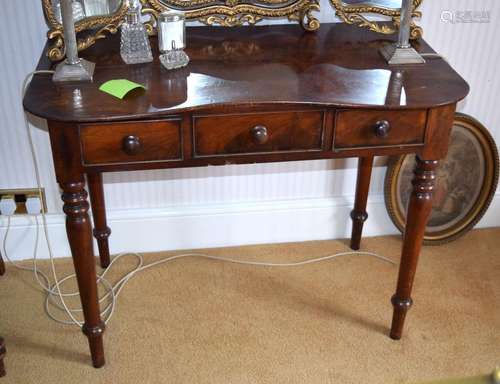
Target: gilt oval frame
[
  {"x": 356, "y": 14},
  {"x": 90, "y": 29},
  {"x": 477, "y": 206}
]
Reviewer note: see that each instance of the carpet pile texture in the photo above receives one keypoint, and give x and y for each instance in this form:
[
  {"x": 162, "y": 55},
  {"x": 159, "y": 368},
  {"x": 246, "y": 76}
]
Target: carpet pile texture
[{"x": 202, "y": 321}]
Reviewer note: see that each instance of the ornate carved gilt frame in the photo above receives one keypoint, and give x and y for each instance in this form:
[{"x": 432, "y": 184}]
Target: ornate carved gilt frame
[
  {"x": 227, "y": 13},
  {"x": 235, "y": 12},
  {"x": 355, "y": 14},
  {"x": 95, "y": 28}
]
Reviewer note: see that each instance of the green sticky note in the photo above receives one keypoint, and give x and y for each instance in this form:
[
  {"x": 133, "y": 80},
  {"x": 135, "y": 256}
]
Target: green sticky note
[{"x": 120, "y": 87}]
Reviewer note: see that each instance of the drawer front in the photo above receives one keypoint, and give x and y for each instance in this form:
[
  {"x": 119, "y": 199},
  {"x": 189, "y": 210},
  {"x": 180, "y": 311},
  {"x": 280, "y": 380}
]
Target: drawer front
[
  {"x": 131, "y": 142},
  {"x": 355, "y": 129},
  {"x": 216, "y": 135}
]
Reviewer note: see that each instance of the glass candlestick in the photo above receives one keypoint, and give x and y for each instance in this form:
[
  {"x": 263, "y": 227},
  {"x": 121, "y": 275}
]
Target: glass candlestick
[
  {"x": 172, "y": 39},
  {"x": 134, "y": 45}
]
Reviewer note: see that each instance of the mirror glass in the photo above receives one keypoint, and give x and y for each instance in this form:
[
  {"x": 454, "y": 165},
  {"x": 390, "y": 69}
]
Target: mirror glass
[
  {"x": 391, "y": 4},
  {"x": 88, "y": 8}
]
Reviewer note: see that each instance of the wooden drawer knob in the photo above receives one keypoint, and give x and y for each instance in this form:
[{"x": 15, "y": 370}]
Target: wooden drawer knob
[
  {"x": 259, "y": 133},
  {"x": 131, "y": 145},
  {"x": 382, "y": 128}
]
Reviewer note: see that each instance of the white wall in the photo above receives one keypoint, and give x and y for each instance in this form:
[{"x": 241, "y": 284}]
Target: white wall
[{"x": 220, "y": 206}]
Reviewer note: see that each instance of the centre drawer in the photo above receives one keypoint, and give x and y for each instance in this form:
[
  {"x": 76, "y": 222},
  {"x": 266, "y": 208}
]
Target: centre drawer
[
  {"x": 274, "y": 132},
  {"x": 131, "y": 142}
]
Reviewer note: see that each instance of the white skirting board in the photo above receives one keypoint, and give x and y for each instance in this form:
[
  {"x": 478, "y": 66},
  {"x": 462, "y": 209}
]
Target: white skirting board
[{"x": 192, "y": 227}]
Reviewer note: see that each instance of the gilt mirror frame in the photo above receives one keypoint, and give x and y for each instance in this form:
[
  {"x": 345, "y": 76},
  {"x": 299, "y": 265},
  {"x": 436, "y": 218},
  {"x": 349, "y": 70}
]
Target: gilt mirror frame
[
  {"x": 233, "y": 13},
  {"x": 357, "y": 14},
  {"x": 89, "y": 29},
  {"x": 229, "y": 14}
]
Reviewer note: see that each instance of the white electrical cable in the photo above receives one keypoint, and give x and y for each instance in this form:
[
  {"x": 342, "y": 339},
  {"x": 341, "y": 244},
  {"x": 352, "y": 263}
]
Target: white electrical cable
[{"x": 114, "y": 290}]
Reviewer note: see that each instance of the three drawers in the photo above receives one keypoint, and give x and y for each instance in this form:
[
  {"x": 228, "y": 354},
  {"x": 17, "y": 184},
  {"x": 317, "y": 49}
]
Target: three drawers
[
  {"x": 364, "y": 129},
  {"x": 276, "y": 132},
  {"x": 250, "y": 133},
  {"x": 131, "y": 142}
]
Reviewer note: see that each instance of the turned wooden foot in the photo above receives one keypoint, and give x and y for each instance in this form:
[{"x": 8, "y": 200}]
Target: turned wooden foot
[
  {"x": 80, "y": 239},
  {"x": 94, "y": 335},
  {"x": 358, "y": 214},
  {"x": 101, "y": 230},
  {"x": 419, "y": 209}
]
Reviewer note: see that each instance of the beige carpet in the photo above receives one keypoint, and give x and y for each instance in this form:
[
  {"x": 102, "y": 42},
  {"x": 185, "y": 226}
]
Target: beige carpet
[{"x": 200, "y": 321}]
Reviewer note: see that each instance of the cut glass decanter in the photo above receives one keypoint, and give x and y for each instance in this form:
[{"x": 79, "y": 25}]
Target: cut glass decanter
[{"x": 134, "y": 45}]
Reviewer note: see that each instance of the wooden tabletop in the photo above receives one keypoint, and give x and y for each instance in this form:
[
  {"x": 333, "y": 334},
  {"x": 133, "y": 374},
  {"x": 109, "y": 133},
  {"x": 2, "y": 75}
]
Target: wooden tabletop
[{"x": 337, "y": 66}]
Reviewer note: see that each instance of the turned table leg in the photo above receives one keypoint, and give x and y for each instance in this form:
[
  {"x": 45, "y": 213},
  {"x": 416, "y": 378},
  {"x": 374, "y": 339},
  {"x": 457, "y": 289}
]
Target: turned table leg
[
  {"x": 80, "y": 239},
  {"x": 358, "y": 214},
  {"x": 101, "y": 229},
  {"x": 2, "y": 266},
  {"x": 3, "y": 351},
  {"x": 419, "y": 209}
]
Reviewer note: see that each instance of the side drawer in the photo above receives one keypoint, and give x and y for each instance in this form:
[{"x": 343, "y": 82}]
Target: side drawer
[
  {"x": 361, "y": 129},
  {"x": 274, "y": 132},
  {"x": 131, "y": 142}
]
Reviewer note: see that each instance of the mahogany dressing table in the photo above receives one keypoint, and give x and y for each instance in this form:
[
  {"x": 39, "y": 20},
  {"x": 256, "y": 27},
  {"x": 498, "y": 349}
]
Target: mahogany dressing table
[{"x": 249, "y": 95}]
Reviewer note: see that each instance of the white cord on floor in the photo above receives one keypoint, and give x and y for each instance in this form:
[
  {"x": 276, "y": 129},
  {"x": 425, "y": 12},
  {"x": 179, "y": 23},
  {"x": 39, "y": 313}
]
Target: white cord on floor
[{"x": 54, "y": 290}]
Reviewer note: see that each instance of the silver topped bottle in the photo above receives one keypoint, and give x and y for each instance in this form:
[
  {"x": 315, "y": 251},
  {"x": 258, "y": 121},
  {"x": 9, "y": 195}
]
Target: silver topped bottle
[{"x": 134, "y": 45}]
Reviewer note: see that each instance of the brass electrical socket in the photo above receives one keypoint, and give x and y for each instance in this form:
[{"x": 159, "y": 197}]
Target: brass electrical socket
[{"x": 21, "y": 195}]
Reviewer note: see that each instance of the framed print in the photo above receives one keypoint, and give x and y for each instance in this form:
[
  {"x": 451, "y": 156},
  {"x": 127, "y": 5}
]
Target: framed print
[{"x": 466, "y": 183}]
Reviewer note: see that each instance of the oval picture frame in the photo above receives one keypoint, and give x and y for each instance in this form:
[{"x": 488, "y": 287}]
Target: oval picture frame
[{"x": 466, "y": 182}]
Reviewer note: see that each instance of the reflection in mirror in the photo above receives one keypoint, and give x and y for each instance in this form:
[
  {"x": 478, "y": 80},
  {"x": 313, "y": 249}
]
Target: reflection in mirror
[
  {"x": 396, "y": 95},
  {"x": 100, "y": 7},
  {"x": 88, "y": 8}
]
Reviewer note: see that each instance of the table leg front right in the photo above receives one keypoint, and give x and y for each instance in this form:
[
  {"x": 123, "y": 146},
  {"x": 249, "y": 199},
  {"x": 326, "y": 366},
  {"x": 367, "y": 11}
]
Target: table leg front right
[{"x": 419, "y": 209}]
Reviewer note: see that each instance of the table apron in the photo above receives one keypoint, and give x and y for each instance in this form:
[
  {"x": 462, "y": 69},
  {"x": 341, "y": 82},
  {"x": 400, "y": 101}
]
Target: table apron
[{"x": 198, "y": 140}]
